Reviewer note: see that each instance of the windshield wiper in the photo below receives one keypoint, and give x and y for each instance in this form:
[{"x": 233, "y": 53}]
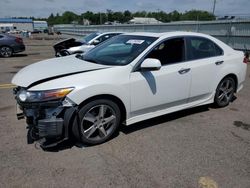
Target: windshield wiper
[{"x": 79, "y": 56}]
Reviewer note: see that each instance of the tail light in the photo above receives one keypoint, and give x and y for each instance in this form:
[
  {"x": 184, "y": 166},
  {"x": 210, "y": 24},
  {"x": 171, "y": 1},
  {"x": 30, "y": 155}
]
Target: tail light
[
  {"x": 246, "y": 58},
  {"x": 19, "y": 40}
]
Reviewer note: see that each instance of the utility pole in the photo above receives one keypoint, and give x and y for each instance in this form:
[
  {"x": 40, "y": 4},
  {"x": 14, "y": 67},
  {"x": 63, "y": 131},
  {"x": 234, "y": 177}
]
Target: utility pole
[{"x": 214, "y": 6}]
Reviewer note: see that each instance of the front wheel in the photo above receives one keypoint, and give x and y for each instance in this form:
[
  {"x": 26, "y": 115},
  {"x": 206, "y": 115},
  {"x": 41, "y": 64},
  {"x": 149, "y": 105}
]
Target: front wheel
[
  {"x": 225, "y": 92},
  {"x": 96, "y": 121}
]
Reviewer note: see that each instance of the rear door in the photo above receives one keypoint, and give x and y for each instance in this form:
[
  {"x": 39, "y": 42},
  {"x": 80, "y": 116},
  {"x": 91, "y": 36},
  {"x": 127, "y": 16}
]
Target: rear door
[{"x": 205, "y": 59}]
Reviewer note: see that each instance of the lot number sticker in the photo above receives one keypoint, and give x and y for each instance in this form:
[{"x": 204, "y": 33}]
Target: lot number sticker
[{"x": 133, "y": 41}]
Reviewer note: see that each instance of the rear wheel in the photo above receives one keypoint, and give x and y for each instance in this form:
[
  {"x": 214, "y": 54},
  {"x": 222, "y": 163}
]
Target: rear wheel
[
  {"x": 97, "y": 121},
  {"x": 224, "y": 92},
  {"x": 6, "y": 51}
]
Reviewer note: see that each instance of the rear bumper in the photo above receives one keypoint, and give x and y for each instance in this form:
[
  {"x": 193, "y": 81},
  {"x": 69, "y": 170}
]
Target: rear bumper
[{"x": 18, "y": 48}]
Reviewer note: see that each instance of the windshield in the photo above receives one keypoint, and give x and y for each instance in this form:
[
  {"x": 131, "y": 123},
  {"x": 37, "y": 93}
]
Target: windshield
[
  {"x": 89, "y": 37},
  {"x": 119, "y": 50}
]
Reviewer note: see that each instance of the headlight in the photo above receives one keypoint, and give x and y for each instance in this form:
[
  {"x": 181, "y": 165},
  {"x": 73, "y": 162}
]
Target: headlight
[{"x": 39, "y": 96}]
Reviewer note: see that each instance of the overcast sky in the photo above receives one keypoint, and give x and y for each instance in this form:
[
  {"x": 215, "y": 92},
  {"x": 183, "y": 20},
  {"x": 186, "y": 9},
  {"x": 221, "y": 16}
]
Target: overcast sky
[{"x": 43, "y": 8}]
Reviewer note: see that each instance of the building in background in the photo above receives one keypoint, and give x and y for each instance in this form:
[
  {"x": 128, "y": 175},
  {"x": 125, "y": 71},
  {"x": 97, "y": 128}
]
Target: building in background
[
  {"x": 5, "y": 27},
  {"x": 142, "y": 20},
  {"x": 40, "y": 25},
  {"x": 9, "y": 24}
]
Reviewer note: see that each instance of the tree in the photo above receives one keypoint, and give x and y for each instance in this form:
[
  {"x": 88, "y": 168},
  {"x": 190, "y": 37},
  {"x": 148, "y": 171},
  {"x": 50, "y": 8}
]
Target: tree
[
  {"x": 69, "y": 17},
  {"x": 127, "y": 16},
  {"x": 123, "y": 17},
  {"x": 50, "y": 19},
  {"x": 198, "y": 15},
  {"x": 174, "y": 16}
]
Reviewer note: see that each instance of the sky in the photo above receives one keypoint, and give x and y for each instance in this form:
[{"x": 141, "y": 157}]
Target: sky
[{"x": 43, "y": 8}]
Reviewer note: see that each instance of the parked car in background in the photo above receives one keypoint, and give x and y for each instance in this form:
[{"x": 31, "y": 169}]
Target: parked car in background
[
  {"x": 127, "y": 79},
  {"x": 10, "y": 45},
  {"x": 14, "y": 32},
  {"x": 73, "y": 46},
  {"x": 36, "y": 31}
]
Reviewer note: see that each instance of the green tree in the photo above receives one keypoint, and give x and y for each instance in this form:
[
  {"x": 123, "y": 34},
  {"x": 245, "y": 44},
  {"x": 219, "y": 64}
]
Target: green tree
[
  {"x": 127, "y": 16},
  {"x": 69, "y": 17},
  {"x": 197, "y": 15}
]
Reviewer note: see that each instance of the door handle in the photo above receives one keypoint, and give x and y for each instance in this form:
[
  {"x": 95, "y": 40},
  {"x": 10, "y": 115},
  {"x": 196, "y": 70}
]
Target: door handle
[
  {"x": 219, "y": 62},
  {"x": 183, "y": 71}
]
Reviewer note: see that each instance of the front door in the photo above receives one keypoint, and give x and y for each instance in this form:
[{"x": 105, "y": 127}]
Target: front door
[{"x": 152, "y": 91}]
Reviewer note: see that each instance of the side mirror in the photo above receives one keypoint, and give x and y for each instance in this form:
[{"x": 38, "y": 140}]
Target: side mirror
[
  {"x": 151, "y": 64},
  {"x": 95, "y": 42}
]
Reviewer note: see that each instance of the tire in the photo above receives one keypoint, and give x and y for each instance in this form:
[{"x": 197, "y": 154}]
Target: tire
[
  {"x": 96, "y": 122},
  {"x": 58, "y": 54},
  {"x": 224, "y": 92},
  {"x": 6, "y": 51},
  {"x": 64, "y": 53}
]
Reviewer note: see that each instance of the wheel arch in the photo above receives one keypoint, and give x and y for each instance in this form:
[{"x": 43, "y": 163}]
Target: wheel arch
[
  {"x": 234, "y": 77},
  {"x": 113, "y": 98},
  {"x": 4, "y": 45}
]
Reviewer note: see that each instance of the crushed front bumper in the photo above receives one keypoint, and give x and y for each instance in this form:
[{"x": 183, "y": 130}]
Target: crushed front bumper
[{"x": 48, "y": 123}]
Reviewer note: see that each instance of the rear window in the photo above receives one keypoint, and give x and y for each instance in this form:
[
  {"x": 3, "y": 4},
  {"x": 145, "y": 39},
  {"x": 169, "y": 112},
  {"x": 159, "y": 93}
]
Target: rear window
[{"x": 199, "y": 47}]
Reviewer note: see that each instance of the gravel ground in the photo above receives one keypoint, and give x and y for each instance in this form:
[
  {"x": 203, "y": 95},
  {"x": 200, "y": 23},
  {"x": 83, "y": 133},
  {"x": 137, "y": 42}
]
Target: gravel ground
[{"x": 200, "y": 147}]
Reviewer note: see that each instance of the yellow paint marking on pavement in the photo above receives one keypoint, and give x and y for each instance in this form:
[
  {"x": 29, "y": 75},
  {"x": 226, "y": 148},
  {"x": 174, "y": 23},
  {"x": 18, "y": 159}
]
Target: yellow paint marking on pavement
[
  {"x": 7, "y": 86},
  {"x": 207, "y": 182}
]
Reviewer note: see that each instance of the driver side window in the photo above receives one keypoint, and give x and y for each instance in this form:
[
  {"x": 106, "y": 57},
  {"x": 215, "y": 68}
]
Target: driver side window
[{"x": 169, "y": 52}]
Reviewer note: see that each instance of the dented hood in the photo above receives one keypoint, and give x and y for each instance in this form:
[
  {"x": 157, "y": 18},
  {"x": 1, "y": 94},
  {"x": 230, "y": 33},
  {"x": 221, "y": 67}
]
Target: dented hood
[{"x": 52, "y": 69}]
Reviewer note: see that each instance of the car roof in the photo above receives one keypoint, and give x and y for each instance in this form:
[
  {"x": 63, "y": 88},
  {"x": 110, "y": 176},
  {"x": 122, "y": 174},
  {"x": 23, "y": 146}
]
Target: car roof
[
  {"x": 7, "y": 35},
  {"x": 167, "y": 34},
  {"x": 161, "y": 36},
  {"x": 104, "y": 33}
]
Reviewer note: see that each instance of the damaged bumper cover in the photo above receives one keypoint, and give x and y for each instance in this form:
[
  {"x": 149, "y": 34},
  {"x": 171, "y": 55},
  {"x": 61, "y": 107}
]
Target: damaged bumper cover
[{"x": 48, "y": 122}]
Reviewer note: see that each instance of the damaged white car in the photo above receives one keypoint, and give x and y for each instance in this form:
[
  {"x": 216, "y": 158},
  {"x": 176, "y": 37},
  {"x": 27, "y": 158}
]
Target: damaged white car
[
  {"x": 74, "y": 46},
  {"x": 127, "y": 79}
]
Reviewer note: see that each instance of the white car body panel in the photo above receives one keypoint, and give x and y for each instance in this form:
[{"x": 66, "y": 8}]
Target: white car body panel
[
  {"x": 82, "y": 48},
  {"x": 144, "y": 94},
  {"x": 51, "y": 68},
  {"x": 159, "y": 89}
]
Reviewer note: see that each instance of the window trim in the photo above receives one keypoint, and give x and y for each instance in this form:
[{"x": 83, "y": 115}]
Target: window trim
[
  {"x": 136, "y": 68},
  {"x": 188, "y": 38}
]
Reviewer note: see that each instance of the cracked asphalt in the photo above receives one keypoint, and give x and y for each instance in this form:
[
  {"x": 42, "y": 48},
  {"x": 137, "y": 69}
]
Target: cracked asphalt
[{"x": 199, "y": 147}]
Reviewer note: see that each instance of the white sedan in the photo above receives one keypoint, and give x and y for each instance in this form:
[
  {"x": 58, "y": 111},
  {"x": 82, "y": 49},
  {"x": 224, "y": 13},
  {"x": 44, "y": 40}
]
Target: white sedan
[{"x": 127, "y": 79}]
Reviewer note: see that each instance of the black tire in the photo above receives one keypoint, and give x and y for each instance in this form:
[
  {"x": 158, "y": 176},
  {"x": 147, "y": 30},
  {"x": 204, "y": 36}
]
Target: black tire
[
  {"x": 225, "y": 92},
  {"x": 64, "y": 53},
  {"x": 6, "y": 51},
  {"x": 96, "y": 122}
]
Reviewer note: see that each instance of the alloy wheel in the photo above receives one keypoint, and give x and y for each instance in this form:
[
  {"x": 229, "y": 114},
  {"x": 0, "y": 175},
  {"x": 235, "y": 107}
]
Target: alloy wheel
[
  {"x": 99, "y": 122},
  {"x": 225, "y": 92},
  {"x": 6, "y": 51}
]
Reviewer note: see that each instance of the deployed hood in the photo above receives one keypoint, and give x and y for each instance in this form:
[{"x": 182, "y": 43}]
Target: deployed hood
[
  {"x": 66, "y": 44},
  {"x": 52, "y": 69}
]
